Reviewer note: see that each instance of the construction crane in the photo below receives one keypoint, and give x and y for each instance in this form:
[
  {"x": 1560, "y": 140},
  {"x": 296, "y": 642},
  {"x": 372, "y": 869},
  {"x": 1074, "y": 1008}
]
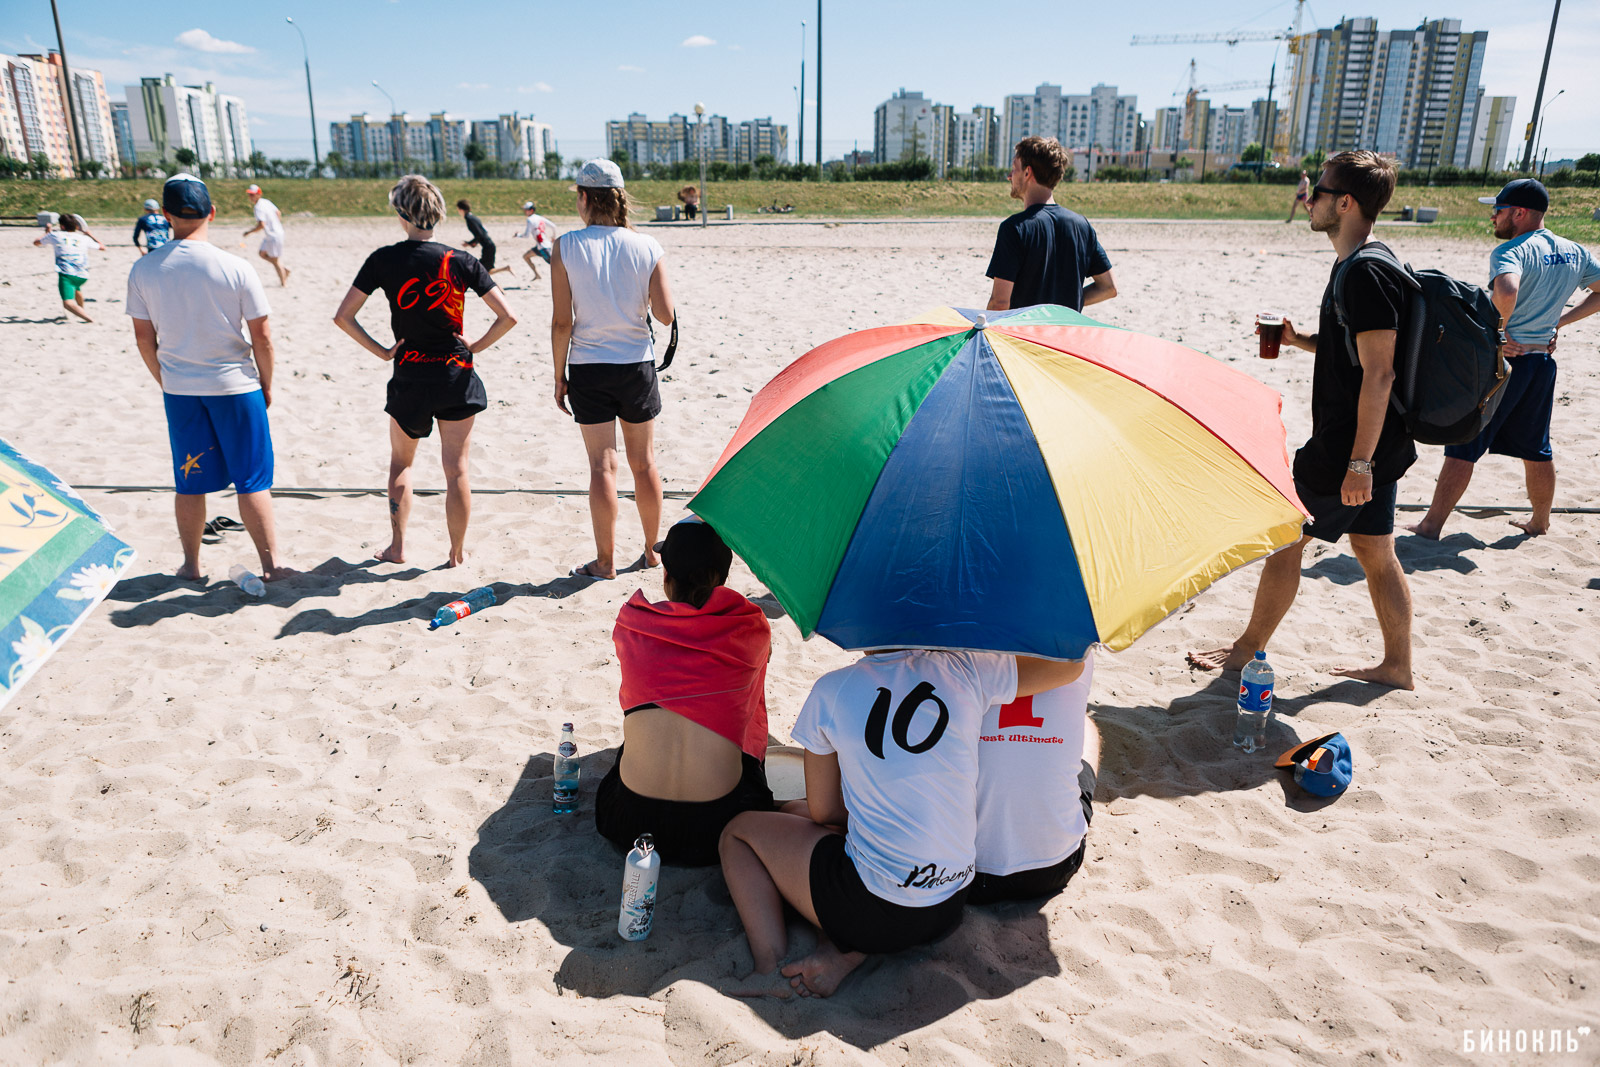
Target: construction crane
[
  {"x": 1233, "y": 37},
  {"x": 1228, "y": 87}
]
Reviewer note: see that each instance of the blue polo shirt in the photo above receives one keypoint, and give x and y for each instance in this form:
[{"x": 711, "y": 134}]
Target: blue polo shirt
[{"x": 1551, "y": 268}]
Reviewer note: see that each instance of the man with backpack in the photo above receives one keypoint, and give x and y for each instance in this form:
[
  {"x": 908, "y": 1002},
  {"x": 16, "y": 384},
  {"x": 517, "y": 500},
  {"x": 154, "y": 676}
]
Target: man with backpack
[
  {"x": 1532, "y": 275},
  {"x": 1346, "y": 473}
]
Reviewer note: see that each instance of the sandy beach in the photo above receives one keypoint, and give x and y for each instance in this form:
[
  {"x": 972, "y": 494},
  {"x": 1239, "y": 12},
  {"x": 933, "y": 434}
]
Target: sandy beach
[{"x": 305, "y": 830}]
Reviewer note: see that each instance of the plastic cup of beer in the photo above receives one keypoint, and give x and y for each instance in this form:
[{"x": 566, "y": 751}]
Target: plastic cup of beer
[{"x": 1269, "y": 324}]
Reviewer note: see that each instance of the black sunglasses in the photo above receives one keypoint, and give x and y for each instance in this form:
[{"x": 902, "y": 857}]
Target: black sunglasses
[{"x": 1318, "y": 190}]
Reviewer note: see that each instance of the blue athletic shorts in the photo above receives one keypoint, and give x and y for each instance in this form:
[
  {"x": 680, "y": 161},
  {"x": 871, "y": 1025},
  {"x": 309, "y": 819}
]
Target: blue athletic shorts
[
  {"x": 1521, "y": 424},
  {"x": 217, "y": 440}
]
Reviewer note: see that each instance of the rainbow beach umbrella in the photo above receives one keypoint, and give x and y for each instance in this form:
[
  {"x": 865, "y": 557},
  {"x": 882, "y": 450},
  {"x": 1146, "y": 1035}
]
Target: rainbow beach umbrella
[{"x": 1031, "y": 481}]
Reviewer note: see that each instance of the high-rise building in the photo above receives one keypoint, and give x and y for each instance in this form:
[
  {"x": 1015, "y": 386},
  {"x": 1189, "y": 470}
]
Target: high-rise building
[
  {"x": 438, "y": 139},
  {"x": 648, "y": 141},
  {"x": 518, "y": 143},
  {"x": 902, "y": 128},
  {"x": 447, "y": 138},
  {"x": 1165, "y": 133},
  {"x": 34, "y": 116},
  {"x": 1099, "y": 118},
  {"x": 1036, "y": 114},
  {"x": 1491, "y": 133},
  {"x": 964, "y": 139},
  {"x": 761, "y": 137},
  {"x": 1412, "y": 94},
  {"x": 123, "y": 128},
  {"x": 166, "y": 117},
  {"x": 677, "y": 139}
]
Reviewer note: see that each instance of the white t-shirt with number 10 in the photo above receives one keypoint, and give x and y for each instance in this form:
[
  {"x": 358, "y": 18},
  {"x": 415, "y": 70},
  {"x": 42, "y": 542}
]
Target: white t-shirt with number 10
[
  {"x": 1029, "y": 813},
  {"x": 905, "y": 727}
]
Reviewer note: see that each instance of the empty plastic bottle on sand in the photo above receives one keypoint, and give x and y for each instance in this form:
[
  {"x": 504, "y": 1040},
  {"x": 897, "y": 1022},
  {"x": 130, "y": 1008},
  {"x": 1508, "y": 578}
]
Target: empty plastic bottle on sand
[
  {"x": 246, "y": 581},
  {"x": 566, "y": 773},
  {"x": 476, "y": 600},
  {"x": 640, "y": 872},
  {"x": 1255, "y": 704}
]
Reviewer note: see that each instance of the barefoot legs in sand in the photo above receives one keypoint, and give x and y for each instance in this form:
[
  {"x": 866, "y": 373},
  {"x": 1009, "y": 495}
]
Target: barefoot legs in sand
[
  {"x": 600, "y": 442},
  {"x": 1280, "y": 581},
  {"x": 766, "y": 860},
  {"x": 1456, "y": 474},
  {"x": 455, "y": 448},
  {"x": 1541, "y": 494},
  {"x": 256, "y": 511}
]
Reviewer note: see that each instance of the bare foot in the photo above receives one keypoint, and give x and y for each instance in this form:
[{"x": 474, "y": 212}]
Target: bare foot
[
  {"x": 187, "y": 573},
  {"x": 755, "y": 984},
  {"x": 395, "y": 553},
  {"x": 1427, "y": 530},
  {"x": 278, "y": 574},
  {"x": 1228, "y": 658},
  {"x": 286, "y": 273},
  {"x": 1382, "y": 674},
  {"x": 1530, "y": 529},
  {"x": 456, "y": 559},
  {"x": 592, "y": 569},
  {"x": 820, "y": 973}
]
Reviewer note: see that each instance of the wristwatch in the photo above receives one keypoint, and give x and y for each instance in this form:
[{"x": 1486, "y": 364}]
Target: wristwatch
[{"x": 1362, "y": 467}]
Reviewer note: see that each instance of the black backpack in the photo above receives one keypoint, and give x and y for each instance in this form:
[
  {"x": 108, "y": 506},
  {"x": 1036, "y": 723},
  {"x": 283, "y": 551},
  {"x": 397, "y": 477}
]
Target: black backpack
[{"x": 1449, "y": 373}]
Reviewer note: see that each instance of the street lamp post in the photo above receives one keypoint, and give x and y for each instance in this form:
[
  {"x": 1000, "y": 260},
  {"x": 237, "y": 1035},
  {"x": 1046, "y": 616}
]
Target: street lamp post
[
  {"x": 393, "y": 112},
  {"x": 1539, "y": 135},
  {"x": 800, "y": 154},
  {"x": 700, "y": 141},
  {"x": 316, "y": 153}
]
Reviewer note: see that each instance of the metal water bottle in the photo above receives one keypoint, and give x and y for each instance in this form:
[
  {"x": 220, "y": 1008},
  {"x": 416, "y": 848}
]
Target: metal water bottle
[{"x": 640, "y": 872}]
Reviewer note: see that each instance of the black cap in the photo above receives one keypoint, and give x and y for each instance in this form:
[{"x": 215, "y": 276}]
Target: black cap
[
  {"x": 185, "y": 197},
  {"x": 693, "y": 548},
  {"x": 1524, "y": 192}
]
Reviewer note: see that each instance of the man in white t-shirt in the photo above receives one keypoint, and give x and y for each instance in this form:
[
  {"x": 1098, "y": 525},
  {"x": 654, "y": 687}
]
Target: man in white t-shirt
[
  {"x": 892, "y": 753},
  {"x": 543, "y": 232},
  {"x": 269, "y": 220},
  {"x": 191, "y": 304},
  {"x": 1036, "y": 776}
]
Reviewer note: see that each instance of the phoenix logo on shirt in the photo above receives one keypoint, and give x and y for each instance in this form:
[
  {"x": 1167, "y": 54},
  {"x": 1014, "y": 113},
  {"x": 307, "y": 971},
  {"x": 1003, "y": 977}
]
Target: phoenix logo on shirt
[{"x": 442, "y": 293}]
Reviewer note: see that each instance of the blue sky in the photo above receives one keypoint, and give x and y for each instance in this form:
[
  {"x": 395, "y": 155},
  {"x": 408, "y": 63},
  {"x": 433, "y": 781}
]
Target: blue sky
[{"x": 576, "y": 65}]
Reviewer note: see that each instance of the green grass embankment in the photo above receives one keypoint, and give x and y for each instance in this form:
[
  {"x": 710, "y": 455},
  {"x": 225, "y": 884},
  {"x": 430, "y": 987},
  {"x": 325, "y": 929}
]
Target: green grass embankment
[{"x": 1460, "y": 214}]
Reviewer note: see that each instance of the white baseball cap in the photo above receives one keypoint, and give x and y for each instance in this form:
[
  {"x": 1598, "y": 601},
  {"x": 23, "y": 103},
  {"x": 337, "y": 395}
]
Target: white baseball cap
[{"x": 599, "y": 174}]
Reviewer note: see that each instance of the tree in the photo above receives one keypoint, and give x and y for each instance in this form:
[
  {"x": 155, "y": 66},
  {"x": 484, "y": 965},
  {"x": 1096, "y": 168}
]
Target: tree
[
  {"x": 1254, "y": 152},
  {"x": 258, "y": 164},
  {"x": 1311, "y": 162},
  {"x": 552, "y": 165},
  {"x": 1591, "y": 161},
  {"x": 475, "y": 153},
  {"x": 185, "y": 158},
  {"x": 487, "y": 168},
  {"x": 39, "y": 165},
  {"x": 11, "y": 167},
  {"x": 448, "y": 169},
  {"x": 90, "y": 168},
  {"x": 334, "y": 161}
]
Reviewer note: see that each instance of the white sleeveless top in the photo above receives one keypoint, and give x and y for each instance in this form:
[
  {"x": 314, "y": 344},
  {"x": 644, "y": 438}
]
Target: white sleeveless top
[{"x": 608, "y": 269}]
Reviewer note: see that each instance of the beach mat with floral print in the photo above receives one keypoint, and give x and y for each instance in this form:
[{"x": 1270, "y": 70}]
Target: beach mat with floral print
[{"x": 57, "y": 561}]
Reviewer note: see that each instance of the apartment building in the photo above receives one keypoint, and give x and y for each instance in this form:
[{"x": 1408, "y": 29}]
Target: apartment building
[
  {"x": 1101, "y": 118},
  {"x": 34, "y": 117},
  {"x": 679, "y": 139},
  {"x": 165, "y": 117},
  {"x": 903, "y": 128},
  {"x": 965, "y": 139}
]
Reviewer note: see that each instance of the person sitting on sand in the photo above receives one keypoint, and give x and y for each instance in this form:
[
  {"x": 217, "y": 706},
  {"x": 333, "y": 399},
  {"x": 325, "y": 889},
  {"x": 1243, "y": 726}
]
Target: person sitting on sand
[
  {"x": 689, "y": 195},
  {"x": 891, "y": 753},
  {"x": 1036, "y": 775},
  {"x": 71, "y": 247},
  {"x": 694, "y": 719},
  {"x": 426, "y": 284}
]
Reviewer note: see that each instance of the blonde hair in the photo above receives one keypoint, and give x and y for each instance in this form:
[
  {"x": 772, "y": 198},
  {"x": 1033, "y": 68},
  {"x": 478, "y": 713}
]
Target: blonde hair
[
  {"x": 418, "y": 201},
  {"x": 607, "y": 207}
]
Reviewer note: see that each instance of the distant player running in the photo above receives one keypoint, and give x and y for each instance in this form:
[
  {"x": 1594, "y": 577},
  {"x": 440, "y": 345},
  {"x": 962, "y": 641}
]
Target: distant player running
[
  {"x": 542, "y": 230},
  {"x": 269, "y": 220},
  {"x": 480, "y": 239},
  {"x": 71, "y": 247},
  {"x": 155, "y": 228}
]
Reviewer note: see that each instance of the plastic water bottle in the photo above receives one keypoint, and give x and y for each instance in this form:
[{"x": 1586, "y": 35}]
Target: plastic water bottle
[
  {"x": 476, "y": 600},
  {"x": 1255, "y": 704},
  {"x": 640, "y": 873},
  {"x": 566, "y": 773},
  {"x": 246, "y": 581}
]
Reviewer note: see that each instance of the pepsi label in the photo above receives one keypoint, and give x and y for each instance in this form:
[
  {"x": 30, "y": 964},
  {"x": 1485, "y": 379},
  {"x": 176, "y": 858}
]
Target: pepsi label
[{"x": 1254, "y": 697}]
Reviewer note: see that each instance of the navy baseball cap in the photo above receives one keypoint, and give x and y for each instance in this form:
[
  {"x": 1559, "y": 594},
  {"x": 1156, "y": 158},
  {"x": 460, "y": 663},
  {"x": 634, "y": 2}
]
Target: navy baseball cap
[
  {"x": 692, "y": 546},
  {"x": 186, "y": 197},
  {"x": 1322, "y": 767},
  {"x": 1524, "y": 192}
]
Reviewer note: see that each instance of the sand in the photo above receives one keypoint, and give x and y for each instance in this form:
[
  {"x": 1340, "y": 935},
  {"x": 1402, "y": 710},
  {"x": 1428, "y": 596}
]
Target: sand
[{"x": 305, "y": 830}]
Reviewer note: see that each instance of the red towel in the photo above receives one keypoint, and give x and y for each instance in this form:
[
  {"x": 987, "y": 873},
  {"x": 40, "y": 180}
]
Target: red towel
[{"x": 707, "y": 664}]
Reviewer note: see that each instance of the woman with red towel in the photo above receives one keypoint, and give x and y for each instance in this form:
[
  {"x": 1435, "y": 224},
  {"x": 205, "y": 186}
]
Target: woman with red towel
[{"x": 694, "y": 728}]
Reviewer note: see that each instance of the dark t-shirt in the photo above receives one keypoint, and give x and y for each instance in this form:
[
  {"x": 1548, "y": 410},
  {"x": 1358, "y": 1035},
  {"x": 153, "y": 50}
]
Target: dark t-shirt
[
  {"x": 479, "y": 234},
  {"x": 1373, "y": 301},
  {"x": 1046, "y": 252},
  {"x": 426, "y": 284}
]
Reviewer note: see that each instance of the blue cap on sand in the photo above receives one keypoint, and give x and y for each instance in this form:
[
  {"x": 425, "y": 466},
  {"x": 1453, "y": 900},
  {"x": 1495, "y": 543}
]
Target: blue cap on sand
[
  {"x": 1322, "y": 767},
  {"x": 186, "y": 197}
]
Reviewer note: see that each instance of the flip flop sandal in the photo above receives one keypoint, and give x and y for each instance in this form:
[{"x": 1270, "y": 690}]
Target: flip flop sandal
[
  {"x": 210, "y": 537},
  {"x": 584, "y": 572},
  {"x": 225, "y": 522}
]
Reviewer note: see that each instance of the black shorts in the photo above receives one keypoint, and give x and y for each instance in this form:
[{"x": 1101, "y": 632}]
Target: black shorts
[
  {"x": 1041, "y": 881},
  {"x": 414, "y": 405},
  {"x": 486, "y": 254},
  {"x": 600, "y": 392},
  {"x": 685, "y": 832},
  {"x": 1331, "y": 518},
  {"x": 857, "y": 920}
]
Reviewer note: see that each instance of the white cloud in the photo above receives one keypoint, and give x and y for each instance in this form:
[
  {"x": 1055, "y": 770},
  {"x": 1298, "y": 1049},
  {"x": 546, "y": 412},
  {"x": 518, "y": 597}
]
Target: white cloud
[
  {"x": 537, "y": 87},
  {"x": 736, "y": 48},
  {"x": 472, "y": 85},
  {"x": 699, "y": 40},
  {"x": 631, "y": 68},
  {"x": 201, "y": 41}
]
